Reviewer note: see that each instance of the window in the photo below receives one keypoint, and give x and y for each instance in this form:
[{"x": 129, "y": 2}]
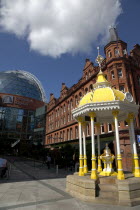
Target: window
[
  {"x": 116, "y": 51},
  {"x": 86, "y": 76},
  {"x": 76, "y": 100},
  {"x": 109, "y": 54},
  {"x": 109, "y": 127},
  {"x": 68, "y": 117},
  {"x": 64, "y": 136},
  {"x": 125, "y": 52},
  {"x": 64, "y": 108},
  {"x": 89, "y": 73},
  {"x": 64, "y": 120},
  {"x": 112, "y": 74},
  {"x": 76, "y": 132},
  {"x": 86, "y": 90},
  {"x": 80, "y": 94},
  {"x": 102, "y": 128},
  {"x": 121, "y": 88},
  {"x": 71, "y": 134},
  {"x": 71, "y": 104},
  {"x": 87, "y": 129},
  {"x": 91, "y": 87},
  {"x": 119, "y": 73},
  {"x": 126, "y": 124},
  {"x": 68, "y": 105},
  {"x": 68, "y": 134}
]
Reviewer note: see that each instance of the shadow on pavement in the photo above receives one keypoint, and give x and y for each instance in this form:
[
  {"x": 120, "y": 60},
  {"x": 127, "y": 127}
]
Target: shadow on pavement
[{"x": 27, "y": 170}]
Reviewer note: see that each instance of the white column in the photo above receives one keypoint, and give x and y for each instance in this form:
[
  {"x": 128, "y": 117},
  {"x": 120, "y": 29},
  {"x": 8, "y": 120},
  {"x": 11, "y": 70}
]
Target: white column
[
  {"x": 117, "y": 136},
  {"x": 133, "y": 136},
  {"x": 93, "y": 170},
  {"x": 130, "y": 135},
  {"x": 81, "y": 172},
  {"x": 84, "y": 141},
  {"x": 135, "y": 158},
  {"x": 80, "y": 139},
  {"x": 84, "y": 147},
  {"x": 92, "y": 136},
  {"x": 98, "y": 140},
  {"x": 120, "y": 175}
]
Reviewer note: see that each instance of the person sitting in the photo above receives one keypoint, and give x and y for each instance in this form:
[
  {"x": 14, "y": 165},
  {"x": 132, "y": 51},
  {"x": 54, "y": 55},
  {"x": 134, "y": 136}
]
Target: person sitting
[{"x": 3, "y": 167}]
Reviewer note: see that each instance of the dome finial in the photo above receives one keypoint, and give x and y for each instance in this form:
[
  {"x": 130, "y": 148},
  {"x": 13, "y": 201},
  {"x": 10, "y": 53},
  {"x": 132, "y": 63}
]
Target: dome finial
[{"x": 99, "y": 58}]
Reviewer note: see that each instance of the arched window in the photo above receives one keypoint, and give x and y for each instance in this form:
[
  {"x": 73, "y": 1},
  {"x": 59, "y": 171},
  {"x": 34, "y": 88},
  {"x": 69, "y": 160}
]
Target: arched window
[
  {"x": 86, "y": 76},
  {"x": 76, "y": 132},
  {"x": 109, "y": 127},
  {"x": 91, "y": 87},
  {"x": 116, "y": 51},
  {"x": 64, "y": 120},
  {"x": 76, "y": 100},
  {"x": 89, "y": 73},
  {"x": 71, "y": 134},
  {"x": 71, "y": 104},
  {"x": 86, "y": 90},
  {"x": 102, "y": 128},
  {"x": 64, "y": 108},
  {"x": 88, "y": 130},
  {"x": 68, "y": 134},
  {"x": 64, "y": 136},
  {"x": 68, "y": 105},
  {"x": 109, "y": 54},
  {"x": 112, "y": 75}
]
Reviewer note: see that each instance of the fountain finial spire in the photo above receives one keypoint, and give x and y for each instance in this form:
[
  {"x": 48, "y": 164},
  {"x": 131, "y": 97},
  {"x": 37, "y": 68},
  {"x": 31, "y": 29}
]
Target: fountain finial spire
[{"x": 99, "y": 58}]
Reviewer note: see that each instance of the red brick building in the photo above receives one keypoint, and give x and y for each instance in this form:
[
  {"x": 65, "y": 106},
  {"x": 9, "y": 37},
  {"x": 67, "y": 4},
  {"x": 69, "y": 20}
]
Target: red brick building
[{"x": 123, "y": 71}]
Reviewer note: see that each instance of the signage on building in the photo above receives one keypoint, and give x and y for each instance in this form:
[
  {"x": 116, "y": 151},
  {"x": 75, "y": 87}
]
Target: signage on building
[
  {"x": 22, "y": 101},
  {"x": 7, "y": 99}
]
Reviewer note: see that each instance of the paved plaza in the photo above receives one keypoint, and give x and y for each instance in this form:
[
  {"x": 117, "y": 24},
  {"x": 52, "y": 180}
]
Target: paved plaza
[{"x": 32, "y": 186}]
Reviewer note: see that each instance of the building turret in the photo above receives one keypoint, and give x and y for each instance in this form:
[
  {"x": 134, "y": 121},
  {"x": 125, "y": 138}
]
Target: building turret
[{"x": 116, "y": 47}]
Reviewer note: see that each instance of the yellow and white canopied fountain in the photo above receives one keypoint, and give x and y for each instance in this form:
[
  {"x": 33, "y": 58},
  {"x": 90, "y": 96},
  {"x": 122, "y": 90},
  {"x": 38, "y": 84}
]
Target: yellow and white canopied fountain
[{"x": 108, "y": 105}]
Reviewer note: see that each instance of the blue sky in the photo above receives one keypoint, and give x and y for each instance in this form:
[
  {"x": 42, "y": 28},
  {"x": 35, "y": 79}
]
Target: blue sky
[{"x": 16, "y": 52}]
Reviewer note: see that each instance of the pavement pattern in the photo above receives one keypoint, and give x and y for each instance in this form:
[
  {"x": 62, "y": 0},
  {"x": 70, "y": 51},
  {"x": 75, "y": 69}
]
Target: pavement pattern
[{"x": 31, "y": 186}]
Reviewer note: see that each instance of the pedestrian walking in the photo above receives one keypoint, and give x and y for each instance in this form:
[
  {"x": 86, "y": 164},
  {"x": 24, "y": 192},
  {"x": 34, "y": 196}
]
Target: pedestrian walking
[{"x": 48, "y": 161}]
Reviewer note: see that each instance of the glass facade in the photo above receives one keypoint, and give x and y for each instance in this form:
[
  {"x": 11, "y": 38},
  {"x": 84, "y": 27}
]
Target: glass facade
[
  {"x": 21, "y": 83},
  {"x": 16, "y": 123},
  {"x": 39, "y": 128}
]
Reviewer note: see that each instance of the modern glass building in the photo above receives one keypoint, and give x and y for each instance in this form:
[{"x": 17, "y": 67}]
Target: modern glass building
[
  {"x": 21, "y": 83},
  {"x": 21, "y": 94}
]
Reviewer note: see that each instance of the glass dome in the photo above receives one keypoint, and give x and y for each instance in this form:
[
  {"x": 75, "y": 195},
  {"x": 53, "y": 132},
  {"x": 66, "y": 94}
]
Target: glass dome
[{"x": 22, "y": 83}]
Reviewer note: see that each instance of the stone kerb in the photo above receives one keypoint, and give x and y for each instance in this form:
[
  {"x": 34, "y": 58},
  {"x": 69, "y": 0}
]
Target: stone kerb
[
  {"x": 81, "y": 187},
  {"x": 105, "y": 189},
  {"x": 129, "y": 191}
]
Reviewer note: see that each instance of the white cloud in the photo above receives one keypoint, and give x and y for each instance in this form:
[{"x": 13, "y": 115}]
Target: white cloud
[{"x": 54, "y": 27}]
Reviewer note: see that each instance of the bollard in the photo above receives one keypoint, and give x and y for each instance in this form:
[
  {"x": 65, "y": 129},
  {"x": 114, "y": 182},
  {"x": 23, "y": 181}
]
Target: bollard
[{"x": 56, "y": 169}]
